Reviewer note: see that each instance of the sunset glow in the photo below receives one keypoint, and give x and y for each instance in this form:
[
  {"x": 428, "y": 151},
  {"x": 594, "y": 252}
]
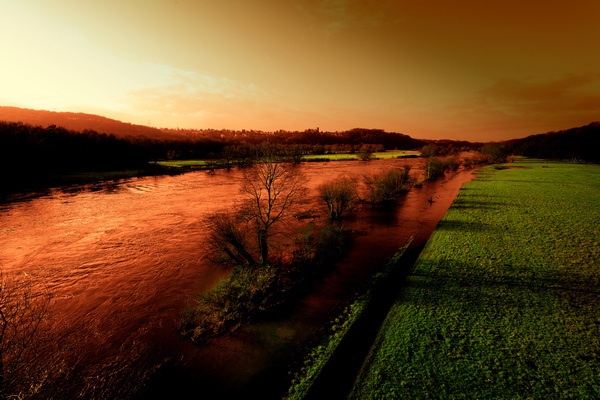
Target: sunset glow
[{"x": 473, "y": 70}]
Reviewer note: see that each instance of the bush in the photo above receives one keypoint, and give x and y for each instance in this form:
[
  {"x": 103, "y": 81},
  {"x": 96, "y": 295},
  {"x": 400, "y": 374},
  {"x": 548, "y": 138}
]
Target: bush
[
  {"x": 436, "y": 167},
  {"x": 365, "y": 153},
  {"x": 230, "y": 303},
  {"x": 248, "y": 292},
  {"x": 339, "y": 195},
  {"x": 388, "y": 186},
  {"x": 478, "y": 160}
]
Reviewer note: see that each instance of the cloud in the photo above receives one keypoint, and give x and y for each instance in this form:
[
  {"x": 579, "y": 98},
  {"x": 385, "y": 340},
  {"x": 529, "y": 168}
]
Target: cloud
[
  {"x": 570, "y": 93},
  {"x": 511, "y": 108},
  {"x": 187, "y": 94},
  {"x": 337, "y": 15}
]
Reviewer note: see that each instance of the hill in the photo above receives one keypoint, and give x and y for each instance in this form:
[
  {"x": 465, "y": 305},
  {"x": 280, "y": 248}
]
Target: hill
[
  {"x": 581, "y": 143},
  {"x": 80, "y": 122}
]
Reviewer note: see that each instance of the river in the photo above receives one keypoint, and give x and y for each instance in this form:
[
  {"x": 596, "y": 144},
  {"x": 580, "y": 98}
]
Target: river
[{"x": 122, "y": 259}]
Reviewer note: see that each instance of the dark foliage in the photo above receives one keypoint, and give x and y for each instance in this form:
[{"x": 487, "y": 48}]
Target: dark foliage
[
  {"x": 32, "y": 152},
  {"x": 248, "y": 293},
  {"x": 580, "y": 143},
  {"x": 437, "y": 167},
  {"x": 339, "y": 196},
  {"x": 386, "y": 187}
]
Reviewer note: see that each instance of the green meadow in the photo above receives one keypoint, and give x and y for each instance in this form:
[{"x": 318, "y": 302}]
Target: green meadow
[
  {"x": 181, "y": 163},
  {"x": 353, "y": 156},
  {"x": 310, "y": 157},
  {"x": 504, "y": 301}
]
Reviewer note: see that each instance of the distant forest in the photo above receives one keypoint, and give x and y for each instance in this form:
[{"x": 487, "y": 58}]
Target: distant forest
[
  {"x": 31, "y": 150},
  {"x": 582, "y": 143},
  {"x": 28, "y": 151},
  {"x": 59, "y": 148}
]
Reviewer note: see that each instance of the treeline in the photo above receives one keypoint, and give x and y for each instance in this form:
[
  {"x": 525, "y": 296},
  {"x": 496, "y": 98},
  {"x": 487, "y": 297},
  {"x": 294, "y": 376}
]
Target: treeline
[
  {"x": 312, "y": 141},
  {"x": 59, "y": 148},
  {"x": 26, "y": 147},
  {"x": 580, "y": 143}
]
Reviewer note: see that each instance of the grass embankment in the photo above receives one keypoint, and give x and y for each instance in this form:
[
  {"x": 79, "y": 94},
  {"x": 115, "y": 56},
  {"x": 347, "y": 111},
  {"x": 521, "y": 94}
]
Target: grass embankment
[
  {"x": 318, "y": 357},
  {"x": 503, "y": 302},
  {"x": 200, "y": 164}
]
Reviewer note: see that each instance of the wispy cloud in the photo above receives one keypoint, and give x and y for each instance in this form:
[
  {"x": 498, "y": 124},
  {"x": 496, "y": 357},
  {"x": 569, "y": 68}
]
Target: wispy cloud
[
  {"x": 511, "y": 108},
  {"x": 518, "y": 92},
  {"x": 186, "y": 93},
  {"x": 337, "y": 15}
]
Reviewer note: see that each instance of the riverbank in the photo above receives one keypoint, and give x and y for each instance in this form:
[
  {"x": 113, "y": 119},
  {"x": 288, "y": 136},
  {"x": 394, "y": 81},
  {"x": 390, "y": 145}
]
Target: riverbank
[
  {"x": 21, "y": 182},
  {"x": 503, "y": 300},
  {"x": 25, "y": 183},
  {"x": 214, "y": 164}
]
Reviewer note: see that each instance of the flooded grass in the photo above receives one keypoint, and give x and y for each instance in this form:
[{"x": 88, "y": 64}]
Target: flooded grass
[{"x": 503, "y": 302}]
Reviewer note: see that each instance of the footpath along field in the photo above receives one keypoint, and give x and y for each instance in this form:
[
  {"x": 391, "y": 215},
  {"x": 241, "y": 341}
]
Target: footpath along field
[{"x": 504, "y": 301}]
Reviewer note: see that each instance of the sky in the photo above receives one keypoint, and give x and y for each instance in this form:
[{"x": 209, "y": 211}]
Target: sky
[{"x": 438, "y": 69}]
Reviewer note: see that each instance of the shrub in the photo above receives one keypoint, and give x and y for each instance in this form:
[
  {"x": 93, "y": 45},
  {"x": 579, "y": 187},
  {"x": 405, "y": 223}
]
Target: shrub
[
  {"x": 477, "y": 160},
  {"x": 387, "y": 186},
  {"x": 365, "y": 153},
  {"x": 452, "y": 164},
  {"x": 230, "y": 303},
  {"x": 339, "y": 195},
  {"x": 248, "y": 292},
  {"x": 332, "y": 242},
  {"x": 435, "y": 168}
]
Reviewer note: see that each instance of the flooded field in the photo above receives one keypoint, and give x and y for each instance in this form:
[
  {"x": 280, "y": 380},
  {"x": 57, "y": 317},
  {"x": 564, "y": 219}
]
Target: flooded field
[{"x": 122, "y": 259}]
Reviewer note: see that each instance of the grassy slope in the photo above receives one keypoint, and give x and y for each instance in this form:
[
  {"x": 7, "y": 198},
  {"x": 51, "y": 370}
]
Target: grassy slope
[
  {"x": 504, "y": 300},
  {"x": 317, "y": 358}
]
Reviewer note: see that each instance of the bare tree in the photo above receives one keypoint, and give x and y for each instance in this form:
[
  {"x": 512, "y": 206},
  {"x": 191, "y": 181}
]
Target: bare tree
[
  {"x": 23, "y": 337},
  {"x": 273, "y": 188},
  {"x": 228, "y": 238}
]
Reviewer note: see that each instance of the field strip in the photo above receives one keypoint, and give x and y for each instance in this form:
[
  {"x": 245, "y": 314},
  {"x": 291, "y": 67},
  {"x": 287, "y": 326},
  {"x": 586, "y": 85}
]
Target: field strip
[{"x": 503, "y": 301}]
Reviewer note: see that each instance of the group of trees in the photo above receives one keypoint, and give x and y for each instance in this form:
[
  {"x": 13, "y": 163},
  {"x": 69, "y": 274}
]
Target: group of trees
[
  {"x": 30, "y": 153},
  {"x": 88, "y": 148},
  {"x": 243, "y": 239},
  {"x": 580, "y": 143}
]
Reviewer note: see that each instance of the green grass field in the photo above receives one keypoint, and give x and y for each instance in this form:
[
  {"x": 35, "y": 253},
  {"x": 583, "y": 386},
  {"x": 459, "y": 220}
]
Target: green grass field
[
  {"x": 181, "y": 163},
  {"x": 312, "y": 157},
  {"x": 348, "y": 156},
  {"x": 504, "y": 301}
]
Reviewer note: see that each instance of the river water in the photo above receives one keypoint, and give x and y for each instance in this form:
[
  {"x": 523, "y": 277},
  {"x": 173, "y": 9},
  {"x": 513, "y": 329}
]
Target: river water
[{"x": 122, "y": 259}]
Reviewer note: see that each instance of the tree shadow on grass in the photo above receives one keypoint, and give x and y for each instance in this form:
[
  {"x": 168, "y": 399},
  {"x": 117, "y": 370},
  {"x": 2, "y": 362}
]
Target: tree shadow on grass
[
  {"x": 460, "y": 280},
  {"x": 457, "y": 225},
  {"x": 488, "y": 205}
]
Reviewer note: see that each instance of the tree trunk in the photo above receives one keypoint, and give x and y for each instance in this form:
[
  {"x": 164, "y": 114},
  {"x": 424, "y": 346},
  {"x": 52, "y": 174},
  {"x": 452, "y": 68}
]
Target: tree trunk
[
  {"x": 2, "y": 388},
  {"x": 263, "y": 246}
]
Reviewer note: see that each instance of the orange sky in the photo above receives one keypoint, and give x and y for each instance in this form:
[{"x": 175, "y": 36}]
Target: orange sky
[{"x": 463, "y": 69}]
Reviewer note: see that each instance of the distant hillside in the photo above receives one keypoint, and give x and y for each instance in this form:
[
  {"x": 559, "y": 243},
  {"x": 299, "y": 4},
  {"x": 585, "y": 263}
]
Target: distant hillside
[
  {"x": 80, "y": 122},
  {"x": 582, "y": 143}
]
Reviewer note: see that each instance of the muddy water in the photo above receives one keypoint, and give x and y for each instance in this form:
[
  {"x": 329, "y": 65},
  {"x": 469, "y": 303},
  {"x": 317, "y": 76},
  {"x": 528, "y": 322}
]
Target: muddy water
[{"x": 123, "y": 259}]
